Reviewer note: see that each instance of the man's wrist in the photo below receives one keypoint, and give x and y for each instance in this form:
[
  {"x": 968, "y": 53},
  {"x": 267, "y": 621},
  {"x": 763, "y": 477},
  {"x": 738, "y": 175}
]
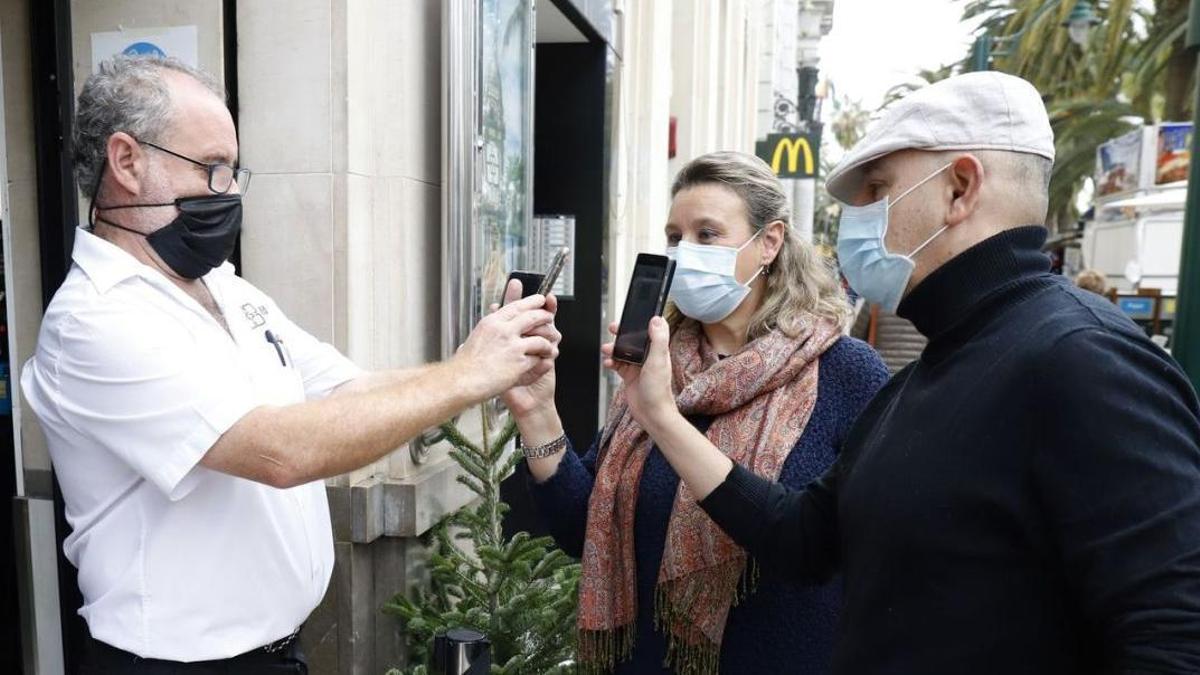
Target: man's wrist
[{"x": 470, "y": 381}]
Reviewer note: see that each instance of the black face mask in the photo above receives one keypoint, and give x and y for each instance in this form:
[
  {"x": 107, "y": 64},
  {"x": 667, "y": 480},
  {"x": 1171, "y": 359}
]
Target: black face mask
[{"x": 199, "y": 239}]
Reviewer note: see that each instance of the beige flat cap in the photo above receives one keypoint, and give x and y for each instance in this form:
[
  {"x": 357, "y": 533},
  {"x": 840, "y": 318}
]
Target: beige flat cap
[{"x": 975, "y": 111}]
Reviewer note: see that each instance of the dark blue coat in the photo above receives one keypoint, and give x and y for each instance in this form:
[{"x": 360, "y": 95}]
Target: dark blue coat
[{"x": 784, "y": 627}]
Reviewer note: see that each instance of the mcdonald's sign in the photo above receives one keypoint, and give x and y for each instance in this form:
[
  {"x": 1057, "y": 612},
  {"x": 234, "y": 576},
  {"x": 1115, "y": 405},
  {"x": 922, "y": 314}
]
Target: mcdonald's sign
[{"x": 791, "y": 155}]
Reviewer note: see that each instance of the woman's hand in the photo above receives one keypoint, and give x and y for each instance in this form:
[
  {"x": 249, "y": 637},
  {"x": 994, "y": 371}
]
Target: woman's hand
[
  {"x": 648, "y": 386},
  {"x": 699, "y": 463}
]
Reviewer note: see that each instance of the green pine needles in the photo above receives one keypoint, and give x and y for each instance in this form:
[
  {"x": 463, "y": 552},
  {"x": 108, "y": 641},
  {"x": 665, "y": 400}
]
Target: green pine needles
[{"x": 519, "y": 592}]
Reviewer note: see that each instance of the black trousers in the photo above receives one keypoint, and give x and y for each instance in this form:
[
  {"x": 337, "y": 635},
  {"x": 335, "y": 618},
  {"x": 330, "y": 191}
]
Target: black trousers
[{"x": 104, "y": 659}]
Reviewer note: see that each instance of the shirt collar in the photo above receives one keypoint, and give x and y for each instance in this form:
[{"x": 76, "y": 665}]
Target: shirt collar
[{"x": 107, "y": 264}]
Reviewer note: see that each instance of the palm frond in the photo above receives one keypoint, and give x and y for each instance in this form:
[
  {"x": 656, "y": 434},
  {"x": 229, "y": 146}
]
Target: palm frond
[{"x": 1093, "y": 93}]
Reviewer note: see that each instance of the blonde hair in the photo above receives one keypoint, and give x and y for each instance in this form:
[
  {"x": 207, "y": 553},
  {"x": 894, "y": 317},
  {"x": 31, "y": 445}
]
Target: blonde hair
[
  {"x": 1092, "y": 280},
  {"x": 800, "y": 281}
]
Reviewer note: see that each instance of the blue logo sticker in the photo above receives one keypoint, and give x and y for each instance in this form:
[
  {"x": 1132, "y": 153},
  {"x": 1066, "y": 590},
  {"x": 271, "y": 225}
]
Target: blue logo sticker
[{"x": 144, "y": 49}]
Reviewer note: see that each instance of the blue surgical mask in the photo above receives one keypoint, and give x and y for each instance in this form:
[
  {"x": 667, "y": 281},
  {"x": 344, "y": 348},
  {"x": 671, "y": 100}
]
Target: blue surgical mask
[
  {"x": 873, "y": 272},
  {"x": 706, "y": 287}
]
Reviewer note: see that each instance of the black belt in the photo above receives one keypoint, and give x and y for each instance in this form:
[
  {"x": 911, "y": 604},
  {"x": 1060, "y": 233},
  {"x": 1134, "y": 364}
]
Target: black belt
[{"x": 282, "y": 655}]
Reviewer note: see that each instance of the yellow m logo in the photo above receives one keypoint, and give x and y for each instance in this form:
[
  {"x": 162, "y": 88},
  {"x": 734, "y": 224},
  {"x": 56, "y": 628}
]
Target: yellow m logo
[{"x": 793, "y": 147}]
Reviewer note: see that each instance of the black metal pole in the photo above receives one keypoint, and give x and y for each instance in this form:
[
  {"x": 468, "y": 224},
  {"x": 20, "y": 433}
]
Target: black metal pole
[
  {"x": 1186, "y": 341},
  {"x": 981, "y": 53}
]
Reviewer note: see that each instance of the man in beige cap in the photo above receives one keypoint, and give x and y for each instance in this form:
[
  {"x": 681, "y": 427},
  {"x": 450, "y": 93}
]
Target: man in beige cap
[{"x": 1025, "y": 498}]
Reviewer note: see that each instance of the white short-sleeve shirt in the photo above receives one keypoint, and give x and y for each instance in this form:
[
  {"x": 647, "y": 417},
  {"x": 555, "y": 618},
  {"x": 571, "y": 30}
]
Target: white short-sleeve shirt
[{"x": 133, "y": 382}]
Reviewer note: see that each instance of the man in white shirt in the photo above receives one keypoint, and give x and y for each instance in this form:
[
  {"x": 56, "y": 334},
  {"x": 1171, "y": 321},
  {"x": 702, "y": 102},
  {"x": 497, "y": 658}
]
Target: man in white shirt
[{"x": 189, "y": 421}]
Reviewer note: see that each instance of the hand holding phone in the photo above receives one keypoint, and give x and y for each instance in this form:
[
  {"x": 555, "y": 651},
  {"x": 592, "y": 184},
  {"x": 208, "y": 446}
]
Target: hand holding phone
[{"x": 647, "y": 297}]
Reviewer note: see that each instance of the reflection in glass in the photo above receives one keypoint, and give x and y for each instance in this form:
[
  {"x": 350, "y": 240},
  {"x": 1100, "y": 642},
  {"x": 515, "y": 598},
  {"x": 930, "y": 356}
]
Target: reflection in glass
[{"x": 505, "y": 118}]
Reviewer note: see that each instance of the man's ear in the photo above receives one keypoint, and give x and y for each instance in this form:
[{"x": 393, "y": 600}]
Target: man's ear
[
  {"x": 126, "y": 162},
  {"x": 966, "y": 180}
]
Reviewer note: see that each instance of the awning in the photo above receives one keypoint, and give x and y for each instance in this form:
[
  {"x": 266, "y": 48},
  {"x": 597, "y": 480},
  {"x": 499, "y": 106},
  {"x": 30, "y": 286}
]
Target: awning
[{"x": 1172, "y": 198}]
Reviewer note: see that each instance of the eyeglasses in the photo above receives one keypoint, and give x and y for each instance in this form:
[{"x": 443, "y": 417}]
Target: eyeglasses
[{"x": 221, "y": 176}]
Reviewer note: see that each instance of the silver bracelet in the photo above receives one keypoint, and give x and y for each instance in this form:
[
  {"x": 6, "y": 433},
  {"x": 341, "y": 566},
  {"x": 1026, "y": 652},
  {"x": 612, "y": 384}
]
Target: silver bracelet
[{"x": 543, "y": 451}]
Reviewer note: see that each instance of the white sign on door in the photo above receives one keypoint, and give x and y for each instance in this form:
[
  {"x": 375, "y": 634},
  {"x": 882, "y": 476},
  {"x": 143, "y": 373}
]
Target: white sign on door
[{"x": 181, "y": 42}]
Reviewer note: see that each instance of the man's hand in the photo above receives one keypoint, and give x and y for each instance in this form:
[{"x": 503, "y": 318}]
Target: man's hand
[{"x": 507, "y": 348}]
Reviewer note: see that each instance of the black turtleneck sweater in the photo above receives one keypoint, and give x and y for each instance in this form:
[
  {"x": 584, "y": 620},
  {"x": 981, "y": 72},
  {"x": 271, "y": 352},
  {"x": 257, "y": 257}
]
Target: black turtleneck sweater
[{"x": 1025, "y": 498}]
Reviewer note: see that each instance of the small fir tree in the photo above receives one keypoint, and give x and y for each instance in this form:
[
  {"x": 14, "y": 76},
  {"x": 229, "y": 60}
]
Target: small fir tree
[{"x": 521, "y": 592}]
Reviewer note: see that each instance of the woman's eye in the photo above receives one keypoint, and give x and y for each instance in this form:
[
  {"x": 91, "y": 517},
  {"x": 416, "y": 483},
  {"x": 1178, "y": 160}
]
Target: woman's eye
[{"x": 672, "y": 239}]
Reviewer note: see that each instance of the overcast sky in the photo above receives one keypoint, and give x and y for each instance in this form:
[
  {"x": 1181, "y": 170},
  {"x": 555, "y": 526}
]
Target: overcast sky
[{"x": 876, "y": 44}]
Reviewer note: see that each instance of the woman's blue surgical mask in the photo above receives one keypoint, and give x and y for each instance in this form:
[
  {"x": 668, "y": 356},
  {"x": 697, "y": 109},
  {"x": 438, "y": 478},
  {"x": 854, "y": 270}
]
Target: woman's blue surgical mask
[
  {"x": 873, "y": 272},
  {"x": 706, "y": 287}
]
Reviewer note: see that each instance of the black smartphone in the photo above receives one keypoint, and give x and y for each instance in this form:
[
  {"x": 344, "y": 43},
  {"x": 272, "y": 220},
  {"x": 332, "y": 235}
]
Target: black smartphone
[
  {"x": 648, "y": 290},
  {"x": 530, "y": 283},
  {"x": 533, "y": 282}
]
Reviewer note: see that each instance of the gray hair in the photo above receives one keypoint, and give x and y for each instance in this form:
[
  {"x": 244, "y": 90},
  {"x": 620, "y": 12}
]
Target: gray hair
[
  {"x": 1026, "y": 182},
  {"x": 129, "y": 94}
]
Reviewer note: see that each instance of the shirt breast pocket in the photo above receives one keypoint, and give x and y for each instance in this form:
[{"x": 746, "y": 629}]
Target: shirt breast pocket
[{"x": 279, "y": 381}]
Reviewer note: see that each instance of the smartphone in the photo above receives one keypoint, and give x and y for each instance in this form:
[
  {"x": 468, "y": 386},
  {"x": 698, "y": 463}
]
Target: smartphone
[
  {"x": 534, "y": 282},
  {"x": 648, "y": 290},
  {"x": 556, "y": 268},
  {"x": 530, "y": 283}
]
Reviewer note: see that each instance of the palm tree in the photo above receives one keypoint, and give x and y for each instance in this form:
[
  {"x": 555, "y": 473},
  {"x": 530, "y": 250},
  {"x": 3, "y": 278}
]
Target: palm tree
[
  {"x": 848, "y": 126},
  {"x": 1134, "y": 70},
  {"x": 923, "y": 78},
  {"x": 850, "y": 121}
]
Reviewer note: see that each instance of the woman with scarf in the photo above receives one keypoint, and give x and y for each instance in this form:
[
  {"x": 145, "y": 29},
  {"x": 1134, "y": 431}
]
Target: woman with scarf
[{"x": 760, "y": 367}]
